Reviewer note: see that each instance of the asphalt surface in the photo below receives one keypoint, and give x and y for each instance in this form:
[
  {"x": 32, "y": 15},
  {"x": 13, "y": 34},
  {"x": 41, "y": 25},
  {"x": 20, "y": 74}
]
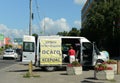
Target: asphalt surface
[
  {"x": 6, "y": 63},
  {"x": 15, "y": 73}
]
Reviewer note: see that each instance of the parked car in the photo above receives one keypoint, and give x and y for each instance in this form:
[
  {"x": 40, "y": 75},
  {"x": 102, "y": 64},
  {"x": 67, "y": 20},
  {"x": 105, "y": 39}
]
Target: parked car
[{"x": 10, "y": 54}]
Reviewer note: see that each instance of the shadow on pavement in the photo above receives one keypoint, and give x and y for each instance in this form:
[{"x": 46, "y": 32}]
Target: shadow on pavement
[
  {"x": 34, "y": 70},
  {"x": 87, "y": 81},
  {"x": 18, "y": 70},
  {"x": 90, "y": 80}
]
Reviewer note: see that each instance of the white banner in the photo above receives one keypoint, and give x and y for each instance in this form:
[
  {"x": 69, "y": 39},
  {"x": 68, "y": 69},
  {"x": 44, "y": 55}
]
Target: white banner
[{"x": 50, "y": 51}]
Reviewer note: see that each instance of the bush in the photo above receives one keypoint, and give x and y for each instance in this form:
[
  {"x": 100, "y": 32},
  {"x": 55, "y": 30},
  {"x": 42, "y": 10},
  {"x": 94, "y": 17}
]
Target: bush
[
  {"x": 74, "y": 64},
  {"x": 1, "y": 50},
  {"x": 111, "y": 62},
  {"x": 102, "y": 66}
]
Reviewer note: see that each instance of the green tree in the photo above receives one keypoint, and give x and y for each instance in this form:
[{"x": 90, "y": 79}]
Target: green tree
[
  {"x": 74, "y": 32},
  {"x": 64, "y": 33},
  {"x": 101, "y": 25},
  {"x": 8, "y": 46}
]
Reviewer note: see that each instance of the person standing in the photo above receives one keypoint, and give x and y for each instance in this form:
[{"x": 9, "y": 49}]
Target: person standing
[{"x": 71, "y": 54}]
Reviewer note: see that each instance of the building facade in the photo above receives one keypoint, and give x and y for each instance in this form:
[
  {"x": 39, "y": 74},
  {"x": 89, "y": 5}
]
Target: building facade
[
  {"x": 85, "y": 11},
  {"x": 7, "y": 41},
  {"x": 1, "y": 40}
]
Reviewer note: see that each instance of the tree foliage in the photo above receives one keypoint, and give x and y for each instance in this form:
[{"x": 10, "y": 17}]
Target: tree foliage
[
  {"x": 101, "y": 25},
  {"x": 72, "y": 32},
  {"x": 8, "y": 46},
  {"x": 64, "y": 33}
]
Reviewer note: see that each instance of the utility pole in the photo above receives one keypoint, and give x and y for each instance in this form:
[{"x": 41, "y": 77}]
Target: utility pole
[
  {"x": 30, "y": 19},
  {"x": 44, "y": 26}
]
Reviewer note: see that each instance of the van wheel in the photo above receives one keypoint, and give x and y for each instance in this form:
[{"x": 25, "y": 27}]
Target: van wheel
[
  {"x": 50, "y": 68},
  {"x": 99, "y": 61},
  {"x": 3, "y": 58}
]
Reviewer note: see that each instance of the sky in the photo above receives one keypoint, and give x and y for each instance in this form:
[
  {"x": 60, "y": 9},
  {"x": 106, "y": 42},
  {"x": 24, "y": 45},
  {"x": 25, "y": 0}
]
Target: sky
[{"x": 50, "y": 16}]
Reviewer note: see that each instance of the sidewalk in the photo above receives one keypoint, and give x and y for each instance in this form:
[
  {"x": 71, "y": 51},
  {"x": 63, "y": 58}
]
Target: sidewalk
[{"x": 14, "y": 74}]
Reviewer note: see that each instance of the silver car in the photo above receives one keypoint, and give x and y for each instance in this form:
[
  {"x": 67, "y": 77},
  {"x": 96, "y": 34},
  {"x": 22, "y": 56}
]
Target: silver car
[{"x": 10, "y": 53}]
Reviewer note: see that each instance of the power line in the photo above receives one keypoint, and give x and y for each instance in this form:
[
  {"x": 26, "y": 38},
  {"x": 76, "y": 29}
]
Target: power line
[
  {"x": 37, "y": 7},
  {"x": 38, "y": 15}
]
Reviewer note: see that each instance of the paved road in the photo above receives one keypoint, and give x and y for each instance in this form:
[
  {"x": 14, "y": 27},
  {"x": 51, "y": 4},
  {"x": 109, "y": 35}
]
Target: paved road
[
  {"x": 12, "y": 71},
  {"x": 6, "y": 63},
  {"x": 14, "y": 74}
]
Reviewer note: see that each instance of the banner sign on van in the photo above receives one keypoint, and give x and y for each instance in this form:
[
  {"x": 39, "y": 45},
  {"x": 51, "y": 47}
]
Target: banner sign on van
[{"x": 50, "y": 52}]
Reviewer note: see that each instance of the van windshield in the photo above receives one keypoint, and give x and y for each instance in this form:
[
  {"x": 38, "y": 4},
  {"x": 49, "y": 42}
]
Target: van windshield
[
  {"x": 28, "y": 46},
  {"x": 89, "y": 46}
]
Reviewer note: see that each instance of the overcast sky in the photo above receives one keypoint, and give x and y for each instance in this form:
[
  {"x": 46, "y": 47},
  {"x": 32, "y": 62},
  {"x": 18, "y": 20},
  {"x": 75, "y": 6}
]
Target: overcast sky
[{"x": 50, "y": 15}]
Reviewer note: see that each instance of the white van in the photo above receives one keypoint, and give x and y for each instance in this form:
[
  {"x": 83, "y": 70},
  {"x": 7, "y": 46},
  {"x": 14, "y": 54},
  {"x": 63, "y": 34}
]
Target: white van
[{"x": 52, "y": 52}]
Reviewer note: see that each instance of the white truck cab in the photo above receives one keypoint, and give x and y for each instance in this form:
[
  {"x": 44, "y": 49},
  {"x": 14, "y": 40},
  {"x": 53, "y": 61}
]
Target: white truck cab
[{"x": 104, "y": 56}]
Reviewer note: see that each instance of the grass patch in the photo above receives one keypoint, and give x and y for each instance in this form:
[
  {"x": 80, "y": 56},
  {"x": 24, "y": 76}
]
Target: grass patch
[
  {"x": 112, "y": 80},
  {"x": 28, "y": 75}
]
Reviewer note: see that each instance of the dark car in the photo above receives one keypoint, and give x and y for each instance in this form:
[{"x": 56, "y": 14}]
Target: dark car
[{"x": 19, "y": 52}]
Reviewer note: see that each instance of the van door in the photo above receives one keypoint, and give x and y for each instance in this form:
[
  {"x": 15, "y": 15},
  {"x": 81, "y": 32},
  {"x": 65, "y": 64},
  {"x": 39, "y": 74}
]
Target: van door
[
  {"x": 28, "y": 52},
  {"x": 95, "y": 54},
  {"x": 87, "y": 54}
]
